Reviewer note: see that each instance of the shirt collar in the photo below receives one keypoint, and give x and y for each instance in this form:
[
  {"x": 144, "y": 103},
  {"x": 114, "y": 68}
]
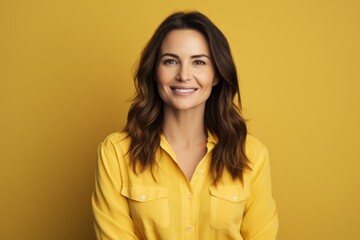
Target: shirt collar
[{"x": 212, "y": 138}]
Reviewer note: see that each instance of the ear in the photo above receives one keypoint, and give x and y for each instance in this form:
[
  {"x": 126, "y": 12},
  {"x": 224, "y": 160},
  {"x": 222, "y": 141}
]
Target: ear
[{"x": 215, "y": 81}]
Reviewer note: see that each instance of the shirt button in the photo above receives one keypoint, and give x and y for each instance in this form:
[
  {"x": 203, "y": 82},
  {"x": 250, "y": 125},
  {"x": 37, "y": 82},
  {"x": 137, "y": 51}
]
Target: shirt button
[
  {"x": 189, "y": 196},
  {"x": 188, "y": 228},
  {"x": 142, "y": 197},
  {"x": 200, "y": 172},
  {"x": 234, "y": 197}
]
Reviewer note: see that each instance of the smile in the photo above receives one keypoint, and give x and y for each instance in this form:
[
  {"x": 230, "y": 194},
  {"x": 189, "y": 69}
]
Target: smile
[{"x": 184, "y": 90}]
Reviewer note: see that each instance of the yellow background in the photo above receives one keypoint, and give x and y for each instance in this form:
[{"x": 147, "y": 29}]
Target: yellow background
[{"x": 65, "y": 78}]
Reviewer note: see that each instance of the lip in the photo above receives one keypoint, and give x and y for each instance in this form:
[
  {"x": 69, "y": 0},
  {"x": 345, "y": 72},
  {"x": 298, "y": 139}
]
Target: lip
[{"x": 183, "y": 91}]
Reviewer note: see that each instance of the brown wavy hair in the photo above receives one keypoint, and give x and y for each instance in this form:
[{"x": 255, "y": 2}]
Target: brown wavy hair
[{"x": 222, "y": 116}]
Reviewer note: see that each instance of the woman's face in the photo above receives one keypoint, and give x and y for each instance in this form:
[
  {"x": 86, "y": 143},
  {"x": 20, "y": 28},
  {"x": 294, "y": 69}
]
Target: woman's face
[{"x": 185, "y": 72}]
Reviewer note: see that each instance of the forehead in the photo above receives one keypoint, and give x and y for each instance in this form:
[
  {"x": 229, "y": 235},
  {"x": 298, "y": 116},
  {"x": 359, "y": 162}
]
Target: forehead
[{"x": 185, "y": 41}]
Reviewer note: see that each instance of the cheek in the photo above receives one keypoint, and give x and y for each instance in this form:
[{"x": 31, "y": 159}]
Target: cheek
[
  {"x": 162, "y": 92},
  {"x": 207, "y": 79},
  {"x": 161, "y": 82},
  {"x": 163, "y": 76}
]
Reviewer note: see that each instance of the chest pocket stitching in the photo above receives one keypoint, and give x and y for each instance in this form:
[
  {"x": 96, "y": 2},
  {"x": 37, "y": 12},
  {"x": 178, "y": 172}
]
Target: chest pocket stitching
[
  {"x": 144, "y": 194},
  {"x": 144, "y": 200},
  {"x": 230, "y": 193},
  {"x": 227, "y": 206}
]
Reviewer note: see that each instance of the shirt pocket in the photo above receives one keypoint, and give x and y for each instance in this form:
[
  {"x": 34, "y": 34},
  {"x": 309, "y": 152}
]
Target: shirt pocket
[
  {"x": 227, "y": 205},
  {"x": 148, "y": 206}
]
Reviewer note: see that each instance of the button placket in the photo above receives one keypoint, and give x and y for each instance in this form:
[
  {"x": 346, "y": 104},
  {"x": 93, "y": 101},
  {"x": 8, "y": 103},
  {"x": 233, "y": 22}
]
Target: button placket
[{"x": 188, "y": 226}]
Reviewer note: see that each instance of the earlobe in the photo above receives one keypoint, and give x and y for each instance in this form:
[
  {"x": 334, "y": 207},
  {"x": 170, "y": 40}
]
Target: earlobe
[{"x": 215, "y": 81}]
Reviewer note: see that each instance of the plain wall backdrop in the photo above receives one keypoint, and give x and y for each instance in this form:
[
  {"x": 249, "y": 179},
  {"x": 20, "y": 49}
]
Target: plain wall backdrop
[{"x": 66, "y": 78}]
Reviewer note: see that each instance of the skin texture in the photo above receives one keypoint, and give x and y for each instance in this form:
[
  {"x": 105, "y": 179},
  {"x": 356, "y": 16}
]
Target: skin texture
[
  {"x": 185, "y": 62},
  {"x": 185, "y": 77}
]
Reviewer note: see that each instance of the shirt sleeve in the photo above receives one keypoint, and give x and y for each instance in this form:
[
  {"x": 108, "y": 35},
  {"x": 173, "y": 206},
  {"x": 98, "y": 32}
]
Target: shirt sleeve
[
  {"x": 110, "y": 209},
  {"x": 260, "y": 221}
]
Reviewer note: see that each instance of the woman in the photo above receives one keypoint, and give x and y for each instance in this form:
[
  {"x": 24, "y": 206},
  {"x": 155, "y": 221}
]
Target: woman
[{"x": 184, "y": 166}]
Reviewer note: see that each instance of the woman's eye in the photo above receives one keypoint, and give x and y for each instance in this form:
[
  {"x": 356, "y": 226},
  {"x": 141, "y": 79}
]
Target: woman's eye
[
  {"x": 169, "y": 61},
  {"x": 199, "y": 62}
]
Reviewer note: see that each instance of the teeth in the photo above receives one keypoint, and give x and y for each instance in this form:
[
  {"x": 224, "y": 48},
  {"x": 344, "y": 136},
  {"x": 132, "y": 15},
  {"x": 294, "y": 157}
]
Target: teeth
[{"x": 184, "y": 90}]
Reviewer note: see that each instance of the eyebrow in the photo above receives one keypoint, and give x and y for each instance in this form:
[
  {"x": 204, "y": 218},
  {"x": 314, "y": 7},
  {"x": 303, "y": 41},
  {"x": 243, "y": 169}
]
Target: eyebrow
[{"x": 177, "y": 57}]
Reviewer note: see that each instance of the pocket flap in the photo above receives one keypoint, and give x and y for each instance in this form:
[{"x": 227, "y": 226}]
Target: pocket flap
[
  {"x": 233, "y": 193},
  {"x": 143, "y": 193}
]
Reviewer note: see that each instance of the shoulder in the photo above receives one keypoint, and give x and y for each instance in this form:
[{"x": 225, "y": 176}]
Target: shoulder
[
  {"x": 254, "y": 145},
  {"x": 255, "y": 150},
  {"x": 116, "y": 137},
  {"x": 118, "y": 141}
]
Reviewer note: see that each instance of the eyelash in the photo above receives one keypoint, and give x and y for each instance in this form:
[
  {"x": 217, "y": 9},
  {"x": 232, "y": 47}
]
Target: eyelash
[
  {"x": 169, "y": 61},
  {"x": 172, "y": 61},
  {"x": 199, "y": 62}
]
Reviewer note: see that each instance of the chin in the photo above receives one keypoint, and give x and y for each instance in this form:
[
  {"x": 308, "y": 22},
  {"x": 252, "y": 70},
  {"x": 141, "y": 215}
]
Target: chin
[{"x": 185, "y": 107}]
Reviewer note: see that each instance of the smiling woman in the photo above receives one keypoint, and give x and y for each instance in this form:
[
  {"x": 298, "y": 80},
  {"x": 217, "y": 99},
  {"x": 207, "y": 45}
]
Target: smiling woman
[{"x": 184, "y": 167}]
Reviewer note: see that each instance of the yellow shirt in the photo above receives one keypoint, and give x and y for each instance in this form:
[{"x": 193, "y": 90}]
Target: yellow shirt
[{"x": 127, "y": 206}]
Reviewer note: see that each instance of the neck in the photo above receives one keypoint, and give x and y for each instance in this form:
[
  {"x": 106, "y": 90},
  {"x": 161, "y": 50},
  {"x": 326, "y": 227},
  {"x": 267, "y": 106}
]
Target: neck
[{"x": 184, "y": 128}]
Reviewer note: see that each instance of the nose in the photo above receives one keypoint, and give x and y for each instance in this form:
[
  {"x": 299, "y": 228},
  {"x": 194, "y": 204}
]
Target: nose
[{"x": 184, "y": 74}]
